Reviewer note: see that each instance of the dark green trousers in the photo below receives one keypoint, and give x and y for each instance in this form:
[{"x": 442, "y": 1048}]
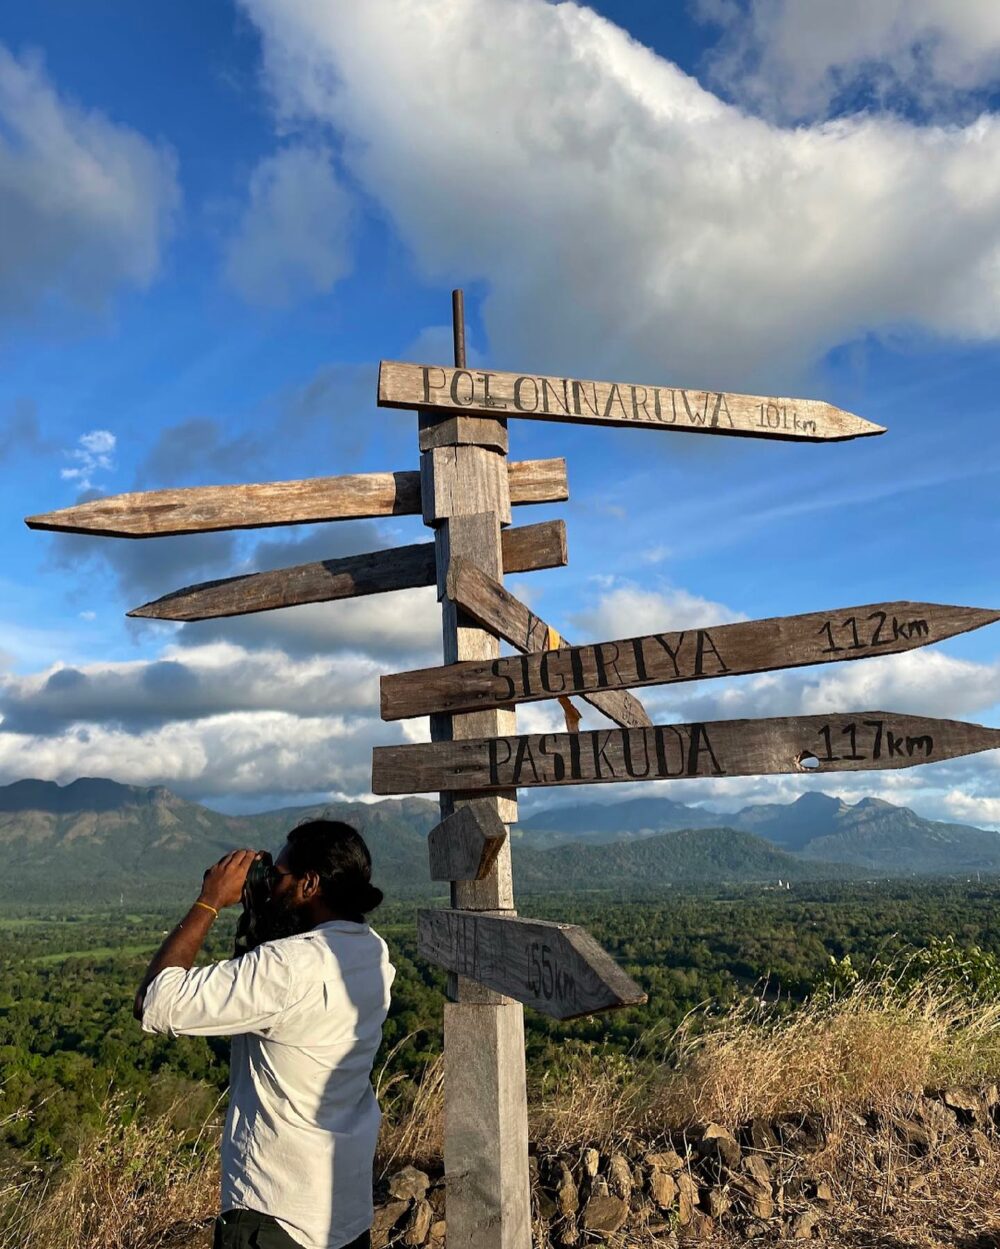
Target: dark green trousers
[{"x": 246, "y": 1229}]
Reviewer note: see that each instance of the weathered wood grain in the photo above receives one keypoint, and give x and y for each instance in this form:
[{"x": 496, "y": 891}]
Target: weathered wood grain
[
  {"x": 204, "y": 509},
  {"x": 466, "y": 844},
  {"x": 526, "y": 548},
  {"x": 497, "y": 610},
  {"x": 838, "y": 742},
  {"x": 656, "y": 658},
  {"x": 558, "y": 969},
  {"x": 536, "y": 397},
  {"x": 441, "y": 429}
]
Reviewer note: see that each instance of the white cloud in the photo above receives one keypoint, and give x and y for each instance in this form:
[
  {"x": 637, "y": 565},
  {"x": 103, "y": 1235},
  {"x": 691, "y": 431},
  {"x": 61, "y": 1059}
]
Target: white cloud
[
  {"x": 238, "y": 753},
  {"x": 628, "y": 610},
  {"x": 797, "y": 58},
  {"x": 622, "y": 217},
  {"x": 93, "y": 453},
  {"x": 294, "y": 237},
  {"x": 86, "y": 203}
]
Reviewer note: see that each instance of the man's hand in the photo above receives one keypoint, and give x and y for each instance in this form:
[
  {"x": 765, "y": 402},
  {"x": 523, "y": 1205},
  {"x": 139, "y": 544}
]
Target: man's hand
[{"x": 223, "y": 883}]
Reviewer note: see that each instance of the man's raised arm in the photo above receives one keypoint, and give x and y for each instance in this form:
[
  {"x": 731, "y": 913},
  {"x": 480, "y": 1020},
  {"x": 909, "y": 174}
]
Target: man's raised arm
[{"x": 222, "y": 886}]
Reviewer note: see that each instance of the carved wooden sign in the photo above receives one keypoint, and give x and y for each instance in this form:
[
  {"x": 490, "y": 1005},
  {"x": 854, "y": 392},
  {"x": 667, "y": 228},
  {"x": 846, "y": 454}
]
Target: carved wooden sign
[
  {"x": 465, "y": 845},
  {"x": 536, "y": 397},
  {"x": 656, "y": 658},
  {"x": 850, "y": 742},
  {"x": 203, "y": 509},
  {"x": 557, "y": 968},
  {"x": 525, "y": 548}
]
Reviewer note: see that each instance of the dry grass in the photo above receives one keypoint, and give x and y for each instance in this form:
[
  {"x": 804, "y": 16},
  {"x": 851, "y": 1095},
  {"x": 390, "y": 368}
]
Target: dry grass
[{"x": 136, "y": 1183}]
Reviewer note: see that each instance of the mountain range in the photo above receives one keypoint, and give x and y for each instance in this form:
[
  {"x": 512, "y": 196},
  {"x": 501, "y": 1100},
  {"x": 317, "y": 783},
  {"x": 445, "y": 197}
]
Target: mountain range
[{"x": 96, "y": 838}]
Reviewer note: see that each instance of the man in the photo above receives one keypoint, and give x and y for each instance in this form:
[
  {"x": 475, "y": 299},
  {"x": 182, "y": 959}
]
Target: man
[{"x": 305, "y": 1009}]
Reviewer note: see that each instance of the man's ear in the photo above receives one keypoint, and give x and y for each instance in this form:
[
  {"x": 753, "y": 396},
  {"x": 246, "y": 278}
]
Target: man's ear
[{"x": 310, "y": 886}]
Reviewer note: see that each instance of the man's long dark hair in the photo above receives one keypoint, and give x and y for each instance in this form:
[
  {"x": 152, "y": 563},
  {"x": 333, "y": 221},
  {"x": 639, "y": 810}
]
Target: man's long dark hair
[{"x": 339, "y": 857}]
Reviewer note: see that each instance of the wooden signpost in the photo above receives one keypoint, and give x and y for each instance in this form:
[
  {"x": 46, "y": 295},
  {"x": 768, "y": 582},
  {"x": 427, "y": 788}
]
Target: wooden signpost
[
  {"x": 558, "y": 969},
  {"x": 488, "y": 393},
  {"x": 464, "y": 490},
  {"x": 658, "y": 658},
  {"x": 851, "y": 742}
]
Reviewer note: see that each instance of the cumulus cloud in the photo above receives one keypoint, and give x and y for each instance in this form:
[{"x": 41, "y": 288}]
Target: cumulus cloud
[
  {"x": 795, "y": 59},
  {"x": 622, "y": 217},
  {"x": 295, "y": 233},
  {"x": 194, "y": 684},
  {"x": 93, "y": 454},
  {"x": 86, "y": 203},
  {"x": 625, "y": 609},
  {"x": 254, "y": 753}
]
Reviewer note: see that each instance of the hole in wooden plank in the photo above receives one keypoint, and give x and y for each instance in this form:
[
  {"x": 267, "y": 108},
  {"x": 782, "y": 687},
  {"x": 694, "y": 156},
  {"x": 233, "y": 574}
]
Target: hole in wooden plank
[{"x": 807, "y": 762}]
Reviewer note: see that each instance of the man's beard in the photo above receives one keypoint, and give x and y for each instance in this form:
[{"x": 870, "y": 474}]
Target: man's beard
[
  {"x": 270, "y": 920},
  {"x": 282, "y": 919}
]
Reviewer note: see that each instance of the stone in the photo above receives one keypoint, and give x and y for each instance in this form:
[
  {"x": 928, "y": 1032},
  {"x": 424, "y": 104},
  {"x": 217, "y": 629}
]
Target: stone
[
  {"x": 762, "y": 1135},
  {"x": 935, "y": 1116},
  {"x": 760, "y": 1204},
  {"x": 438, "y": 1231},
  {"x": 967, "y": 1106},
  {"x": 386, "y": 1218},
  {"x": 915, "y": 1137},
  {"x": 718, "y": 1143},
  {"x": 604, "y": 1214},
  {"x": 669, "y": 1160},
  {"x": 567, "y": 1193},
  {"x": 663, "y": 1189},
  {"x": 418, "y": 1225},
  {"x": 700, "y": 1227},
  {"x": 546, "y": 1207},
  {"x": 802, "y": 1226},
  {"x": 590, "y": 1162},
  {"x": 408, "y": 1184},
  {"x": 717, "y": 1202},
  {"x": 620, "y": 1176},
  {"x": 823, "y": 1193},
  {"x": 758, "y": 1170},
  {"x": 687, "y": 1198},
  {"x": 436, "y": 1197}
]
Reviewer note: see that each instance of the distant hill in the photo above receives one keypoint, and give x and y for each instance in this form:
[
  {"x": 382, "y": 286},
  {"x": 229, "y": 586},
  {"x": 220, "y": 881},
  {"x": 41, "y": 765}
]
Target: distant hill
[
  {"x": 96, "y": 839},
  {"x": 690, "y": 856},
  {"x": 870, "y": 834},
  {"x": 873, "y": 834},
  {"x": 100, "y": 838}
]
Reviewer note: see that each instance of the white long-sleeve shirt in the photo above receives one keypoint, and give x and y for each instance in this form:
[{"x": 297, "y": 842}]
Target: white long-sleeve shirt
[{"x": 306, "y": 1015}]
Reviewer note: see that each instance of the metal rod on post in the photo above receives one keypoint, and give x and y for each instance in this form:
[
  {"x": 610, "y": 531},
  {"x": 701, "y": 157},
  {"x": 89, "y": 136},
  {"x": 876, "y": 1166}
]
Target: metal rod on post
[{"x": 466, "y": 499}]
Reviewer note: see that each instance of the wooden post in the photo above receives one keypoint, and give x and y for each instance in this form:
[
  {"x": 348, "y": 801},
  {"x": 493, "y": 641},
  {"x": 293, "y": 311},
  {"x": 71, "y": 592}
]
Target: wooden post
[{"x": 466, "y": 498}]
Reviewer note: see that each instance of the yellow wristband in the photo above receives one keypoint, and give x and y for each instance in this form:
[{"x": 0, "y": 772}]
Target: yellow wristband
[{"x": 208, "y": 908}]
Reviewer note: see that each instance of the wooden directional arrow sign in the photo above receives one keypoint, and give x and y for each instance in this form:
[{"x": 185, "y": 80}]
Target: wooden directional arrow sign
[
  {"x": 614, "y": 403},
  {"x": 557, "y": 968},
  {"x": 525, "y": 549},
  {"x": 657, "y": 658},
  {"x": 201, "y": 509},
  {"x": 465, "y": 845},
  {"x": 849, "y": 742},
  {"x": 496, "y": 609}
]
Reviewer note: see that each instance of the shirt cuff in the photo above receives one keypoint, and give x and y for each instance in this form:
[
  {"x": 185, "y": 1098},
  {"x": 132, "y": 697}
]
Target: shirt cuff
[{"x": 159, "y": 998}]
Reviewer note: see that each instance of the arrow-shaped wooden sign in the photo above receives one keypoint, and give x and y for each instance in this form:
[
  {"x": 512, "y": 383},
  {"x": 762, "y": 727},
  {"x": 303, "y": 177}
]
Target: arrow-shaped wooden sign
[
  {"x": 496, "y": 609},
  {"x": 202, "y": 509},
  {"x": 570, "y": 399},
  {"x": 557, "y": 968},
  {"x": 525, "y": 548},
  {"x": 849, "y": 742},
  {"x": 656, "y": 658}
]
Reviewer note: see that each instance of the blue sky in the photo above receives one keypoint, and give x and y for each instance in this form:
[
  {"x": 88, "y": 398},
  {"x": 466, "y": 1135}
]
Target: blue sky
[{"x": 217, "y": 218}]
